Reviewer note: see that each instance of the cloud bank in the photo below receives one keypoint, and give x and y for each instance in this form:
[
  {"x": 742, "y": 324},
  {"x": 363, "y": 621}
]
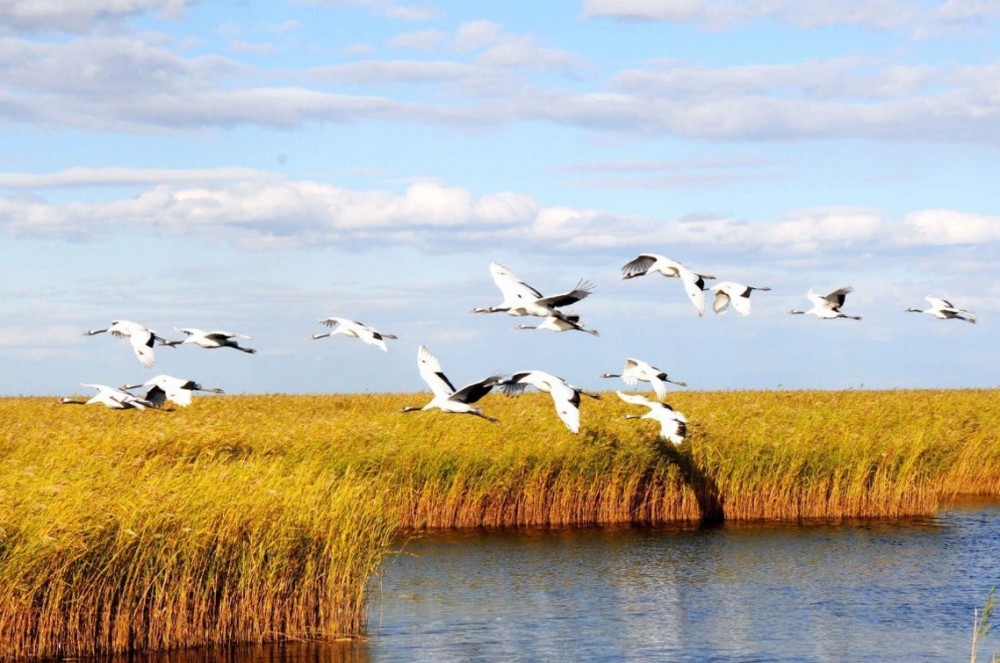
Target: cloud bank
[{"x": 255, "y": 210}]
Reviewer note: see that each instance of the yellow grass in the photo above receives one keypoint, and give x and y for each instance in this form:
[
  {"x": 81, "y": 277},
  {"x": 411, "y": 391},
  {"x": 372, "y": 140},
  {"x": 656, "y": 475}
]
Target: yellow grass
[{"x": 245, "y": 519}]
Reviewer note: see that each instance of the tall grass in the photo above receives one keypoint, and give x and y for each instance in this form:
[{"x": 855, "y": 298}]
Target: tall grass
[
  {"x": 246, "y": 519},
  {"x": 144, "y": 532}
]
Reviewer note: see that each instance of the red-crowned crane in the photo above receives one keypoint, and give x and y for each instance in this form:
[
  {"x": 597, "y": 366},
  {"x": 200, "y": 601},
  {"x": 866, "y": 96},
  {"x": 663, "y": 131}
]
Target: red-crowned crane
[
  {"x": 565, "y": 396},
  {"x": 164, "y": 387},
  {"x": 141, "y": 338},
  {"x": 446, "y": 397},
  {"x": 345, "y": 327},
  {"x": 827, "y": 307},
  {"x": 637, "y": 370},
  {"x": 647, "y": 263},
  {"x": 211, "y": 340},
  {"x": 945, "y": 310},
  {"x": 520, "y": 299},
  {"x": 737, "y": 294},
  {"x": 673, "y": 424}
]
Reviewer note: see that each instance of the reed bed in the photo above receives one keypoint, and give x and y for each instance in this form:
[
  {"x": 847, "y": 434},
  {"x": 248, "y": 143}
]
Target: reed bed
[{"x": 256, "y": 518}]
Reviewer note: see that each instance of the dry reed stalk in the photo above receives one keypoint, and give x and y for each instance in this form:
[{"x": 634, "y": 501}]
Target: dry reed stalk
[{"x": 243, "y": 519}]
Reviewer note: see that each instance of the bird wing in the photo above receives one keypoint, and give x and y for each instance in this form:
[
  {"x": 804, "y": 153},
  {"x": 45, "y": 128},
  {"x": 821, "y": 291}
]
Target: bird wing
[
  {"x": 940, "y": 304},
  {"x": 659, "y": 386},
  {"x": 369, "y": 336},
  {"x": 629, "y": 374},
  {"x": 694, "y": 286},
  {"x": 156, "y": 396},
  {"x": 640, "y": 264},
  {"x": 567, "y": 402},
  {"x": 634, "y": 399},
  {"x": 190, "y": 331},
  {"x": 472, "y": 392},
  {"x": 837, "y": 298},
  {"x": 673, "y": 430},
  {"x": 514, "y": 386},
  {"x": 582, "y": 289},
  {"x": 569, "y": 411},
  {"x": 142, "y": 345},
  {"x": 514, "y": 290},
  {"x": 433, "y": 374},
  {"x": 219, "y": 335},
  {"x": 741, "y": 297},
  {"x": 721, "y": 300},
  {"x": 331, "y": 321}
]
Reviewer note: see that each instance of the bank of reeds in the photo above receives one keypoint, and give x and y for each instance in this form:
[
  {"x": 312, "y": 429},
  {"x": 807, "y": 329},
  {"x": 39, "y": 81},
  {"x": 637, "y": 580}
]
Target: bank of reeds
[{"x": 244, "y": 519}]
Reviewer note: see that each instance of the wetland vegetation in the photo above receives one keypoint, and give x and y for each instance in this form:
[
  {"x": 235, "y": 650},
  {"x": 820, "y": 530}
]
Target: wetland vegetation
[{"x": 257, "y": 518}]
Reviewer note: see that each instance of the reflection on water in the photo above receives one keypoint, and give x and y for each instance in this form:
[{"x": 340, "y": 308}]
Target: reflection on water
[
  {"x": 863, "y": 591},
  {"x": 860, "y": 591},
  {"x": 291, "y": 652}
]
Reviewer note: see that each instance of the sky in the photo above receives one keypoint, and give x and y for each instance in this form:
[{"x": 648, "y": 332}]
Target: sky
[{"x": 258, "y": 166}]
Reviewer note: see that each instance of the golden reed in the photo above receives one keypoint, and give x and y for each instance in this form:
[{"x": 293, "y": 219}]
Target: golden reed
[{"x": 256, "y": 518}]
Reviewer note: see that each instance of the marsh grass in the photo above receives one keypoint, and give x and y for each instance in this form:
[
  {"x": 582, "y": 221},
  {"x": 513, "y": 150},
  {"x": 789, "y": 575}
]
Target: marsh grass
[
  {"x": 256, "y": 518},
  {"x": 982, "y": 623}
]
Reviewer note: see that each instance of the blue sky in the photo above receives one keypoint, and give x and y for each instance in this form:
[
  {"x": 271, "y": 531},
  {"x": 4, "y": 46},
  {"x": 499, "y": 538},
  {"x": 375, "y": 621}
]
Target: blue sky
[{"x": 258, "y": 166}]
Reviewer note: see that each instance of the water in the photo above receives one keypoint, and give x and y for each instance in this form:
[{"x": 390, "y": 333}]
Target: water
[
  {"x": 859, "y": 591},
  {"x": 863, "y": 591}
]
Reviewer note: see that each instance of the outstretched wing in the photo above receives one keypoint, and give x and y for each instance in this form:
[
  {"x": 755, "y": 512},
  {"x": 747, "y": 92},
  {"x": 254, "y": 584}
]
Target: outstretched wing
[
  {"x": 634, "y": 399},
  {"x": 142, "y": 345},
  {"x": 433, "y": 375},
  {"x": 513, "y": 386},
  {"x": 837, "y": 298},
  {"x": 567, "y": 402},
  {"x": 156, "y": 396},
  {"x": 721, "y": 300},
  {"x": 569, "y": 412},
  {"x": 694, "y": 286},
  {"x": 471, "y": 393},
  {"x": 181, "y": 396},
  {"x": 941, "y": 304},
  {"x": 370, "y": 336},
  {"x": 582, "y": 289},
  {"x": 639, "y": 265},
  {"x": 221, "y": 336},
  {"x": 659, "y": 386},
  {"x": 515, "y": 291}
]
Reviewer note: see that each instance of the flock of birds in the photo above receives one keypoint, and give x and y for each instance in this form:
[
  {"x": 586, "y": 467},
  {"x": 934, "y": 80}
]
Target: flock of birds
[{"x": 519, "y": 299}]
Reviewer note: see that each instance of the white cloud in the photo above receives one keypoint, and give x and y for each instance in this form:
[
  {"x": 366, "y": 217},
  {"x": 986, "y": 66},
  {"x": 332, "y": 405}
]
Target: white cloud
[
  {"x": 422, "y": 40},
  {"x": 120, "y": 176},
  {"x": 78, "y": 15},
  {"x": 387, "y": 8},
  {"x": 920, "y": 17},
  {"x": 263, "y": 212},
  {"x": 494, "y": 78},
  {"x": 947, "y": 227}
]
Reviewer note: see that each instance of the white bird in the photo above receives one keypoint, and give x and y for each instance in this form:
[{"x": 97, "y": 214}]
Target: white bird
[
  {"x": 828, "y": 306},
  {"x": 164, "y": 387},
  {"x": 520, "y": 299},
  {"x": 211, "y": 340},
  {"x": 945, "y": 310},
  {"x": 637, "y": 370},
  {"x": 116, "y": 399},
  {"x": 737, "y": 294},
  {"x": 141, "y": 338},
  {"x": 346, "y": 327},
  {"x": 694, "y": 283},
  {"x": 561, "y": 323},
  {"x": 446, "y": 397},
  {"x": 673, "y": 424},
  {"x": 565, "y": 396}
]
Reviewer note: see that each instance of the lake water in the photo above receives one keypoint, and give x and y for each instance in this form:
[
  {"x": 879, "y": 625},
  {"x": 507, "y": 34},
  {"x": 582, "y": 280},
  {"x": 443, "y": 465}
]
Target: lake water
[{"x": 858, "y": 591}]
